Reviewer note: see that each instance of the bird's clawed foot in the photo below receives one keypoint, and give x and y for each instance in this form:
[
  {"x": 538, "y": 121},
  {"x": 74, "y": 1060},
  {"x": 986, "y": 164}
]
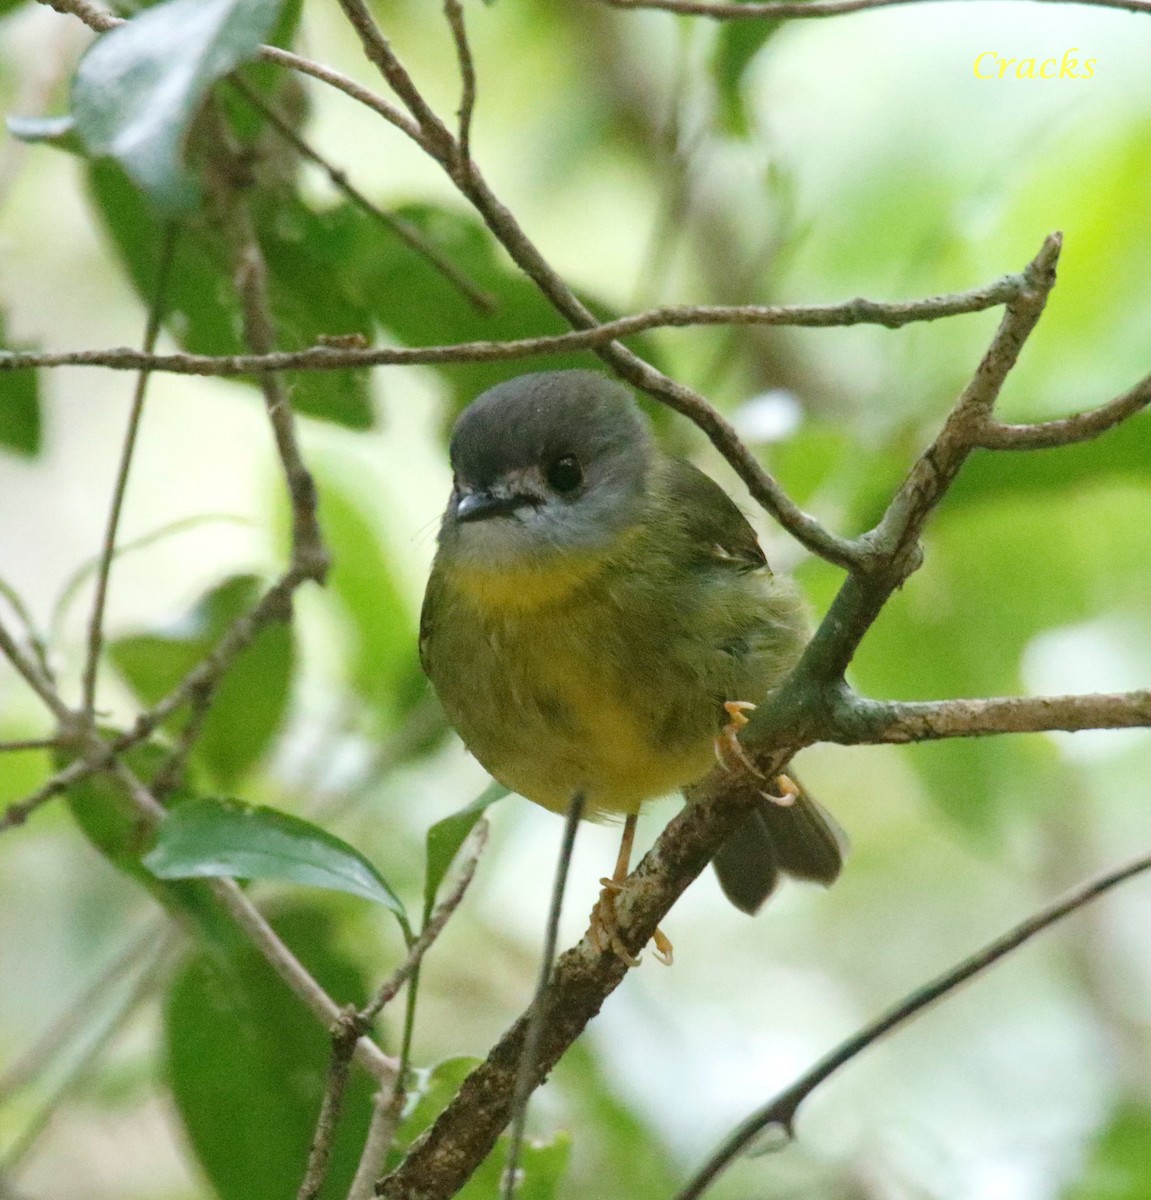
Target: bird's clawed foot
[
  {"x": 728, "y": 751},
  {"x": 789, "y": 792},
  {"x": 604, "y": 929}
]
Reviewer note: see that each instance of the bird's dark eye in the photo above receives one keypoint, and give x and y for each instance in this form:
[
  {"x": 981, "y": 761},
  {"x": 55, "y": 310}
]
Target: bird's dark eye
[{"x": 564, "y": 474}]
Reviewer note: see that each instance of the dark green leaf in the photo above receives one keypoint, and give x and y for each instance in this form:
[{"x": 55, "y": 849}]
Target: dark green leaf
[
  {"x": 447, "y": 836},
  {"x": 420, "y": 307},
  {"x": 313, "y": 291},
  {"x": 204, "y": 839},
  {"x": 252, "y": 699},
  {"x": 203, "y": 312},
  {"x": 138, "y": 88},
  {"x": 737, "y": 44},
  {"x": 384, "y": 661},
  {"x": 113, "y": 824},
  {"x": 19, "y": 403},
  {"x": 201, "y": 308},
  {"x": 247, "y": 1063},
  {"x": 1120, "y": 1164}
]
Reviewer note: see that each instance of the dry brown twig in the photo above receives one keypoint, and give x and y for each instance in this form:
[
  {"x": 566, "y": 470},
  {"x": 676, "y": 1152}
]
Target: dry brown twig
[{"x": 722, "y": 10}]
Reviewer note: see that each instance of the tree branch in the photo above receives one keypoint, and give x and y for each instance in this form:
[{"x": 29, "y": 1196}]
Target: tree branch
[
  {"x": 892, "y": 548},
  {"x": 726, "y": 10},
  {"x": 857, "y": 721},
  {"x": 1066, "y": 431},
  {"x": 781, "y": 1111},
  {"x": 859, "y": 311},
  {"x": 387, "y": 992},
  {"x": 454, "y": 11},
  {"x": 108, "y": 549}
]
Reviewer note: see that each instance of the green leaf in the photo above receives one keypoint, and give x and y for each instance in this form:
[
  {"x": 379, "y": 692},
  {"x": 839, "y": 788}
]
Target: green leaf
[
  {"x": 250, "y": 703},
  {"x": 19, "y": 404},
  {"x": 737, "y": 44},
  {"x": 203, "y": 312},
  {"x": 383, "y": 659},
  {"x": 139, "y": 87},
  {"x": 447, "y": 836},
  {"x": 314, "y": 292},
  {"x": 247, "y": 1063},
  {"x": 420, "y": 307},
  {"x": 205, "y": 839},
  {"x": 1119, "y": 1167}
]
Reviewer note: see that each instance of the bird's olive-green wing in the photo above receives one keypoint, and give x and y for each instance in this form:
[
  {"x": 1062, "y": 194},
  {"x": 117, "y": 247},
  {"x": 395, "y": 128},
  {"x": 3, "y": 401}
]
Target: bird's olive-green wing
[
  {"x": 713, "y": 520},
  {"x": 427, "y": 617}
]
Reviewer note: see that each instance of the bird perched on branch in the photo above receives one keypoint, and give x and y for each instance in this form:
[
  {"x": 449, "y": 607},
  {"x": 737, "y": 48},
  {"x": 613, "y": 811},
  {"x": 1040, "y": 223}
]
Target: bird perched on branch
[{"x": 599, "y": 615}]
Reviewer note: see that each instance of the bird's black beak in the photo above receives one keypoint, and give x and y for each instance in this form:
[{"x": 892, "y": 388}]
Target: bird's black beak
[{"x": 481, "y": 504}]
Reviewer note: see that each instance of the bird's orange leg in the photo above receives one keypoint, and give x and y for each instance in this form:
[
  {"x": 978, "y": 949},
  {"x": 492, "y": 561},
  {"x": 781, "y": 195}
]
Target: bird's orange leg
[{"x": 604, "y": 927}]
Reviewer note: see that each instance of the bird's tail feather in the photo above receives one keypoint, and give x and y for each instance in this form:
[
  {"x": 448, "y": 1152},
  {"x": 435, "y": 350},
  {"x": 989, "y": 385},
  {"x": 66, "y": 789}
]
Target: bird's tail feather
[{"x": 801, "y": 839}]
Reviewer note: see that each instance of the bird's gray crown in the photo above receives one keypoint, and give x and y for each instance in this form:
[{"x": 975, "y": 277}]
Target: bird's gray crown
[{"x": 535, "y": 419}]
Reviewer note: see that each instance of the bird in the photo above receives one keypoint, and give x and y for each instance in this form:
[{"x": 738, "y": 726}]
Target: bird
[{"x": 598, "y": 618}]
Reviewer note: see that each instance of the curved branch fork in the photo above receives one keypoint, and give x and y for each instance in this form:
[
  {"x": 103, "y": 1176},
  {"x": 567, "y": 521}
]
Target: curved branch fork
[{"x": 814, "y": 704}]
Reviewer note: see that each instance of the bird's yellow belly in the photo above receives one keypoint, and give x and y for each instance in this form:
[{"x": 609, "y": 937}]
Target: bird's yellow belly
[{"x": 571, "y": 720}]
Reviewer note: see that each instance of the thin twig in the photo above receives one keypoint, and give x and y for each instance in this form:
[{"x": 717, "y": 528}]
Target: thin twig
[
  {"x": 526, "y": 1077},
  {"x": 347, "y": 85},
  {"x": 108, "y": 548},
  {"x": 168, "y": 778},
  {"x": 726, "y": 10},
  {"x": 892, "y": 547},
  {"x": 35, "y": 678},
  {"x": 309, "y": 554},
  {"x": 1066, "y": 431},
  {"x": 20, "y": 810},
  {"x": 406, "y": 231},
  {"x": 347, "y": 1032},
  {"x": 29, "y": 744},
  {"x": 385, "y": 1120},
  {"x": 36, "y": 640},
  {"x": 436, "y": 138},
  {"x": 859, "y": 311},
  {"x": 781, "y": 1111},
  {"x": 454, "y": 11},
  {"x": 435, "y": 926},
  {"x": 856, "y": 721}
]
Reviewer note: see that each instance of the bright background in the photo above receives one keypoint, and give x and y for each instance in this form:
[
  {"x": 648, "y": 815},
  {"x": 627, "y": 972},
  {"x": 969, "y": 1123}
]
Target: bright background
[{"x": 851, "y": 156}]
